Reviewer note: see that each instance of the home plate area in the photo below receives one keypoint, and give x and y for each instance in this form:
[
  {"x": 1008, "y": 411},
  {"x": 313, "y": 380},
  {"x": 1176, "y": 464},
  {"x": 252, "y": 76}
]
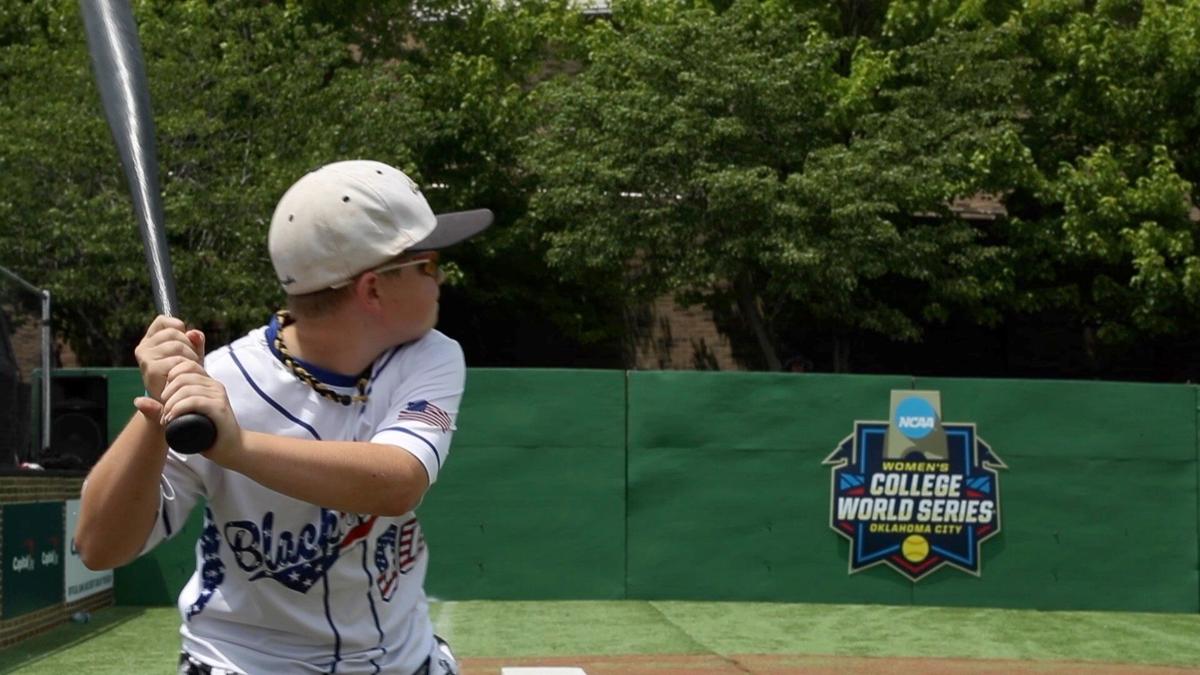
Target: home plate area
[{"x": 511, "y": 670}]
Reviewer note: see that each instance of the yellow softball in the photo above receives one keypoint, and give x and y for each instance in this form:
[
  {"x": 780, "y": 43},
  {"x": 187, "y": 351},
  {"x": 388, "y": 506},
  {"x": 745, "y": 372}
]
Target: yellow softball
[{"x": 915, "y": 548}]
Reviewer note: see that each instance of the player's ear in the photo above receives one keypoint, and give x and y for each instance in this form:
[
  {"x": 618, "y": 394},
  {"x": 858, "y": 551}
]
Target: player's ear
[{"x": 366, "y": 291}]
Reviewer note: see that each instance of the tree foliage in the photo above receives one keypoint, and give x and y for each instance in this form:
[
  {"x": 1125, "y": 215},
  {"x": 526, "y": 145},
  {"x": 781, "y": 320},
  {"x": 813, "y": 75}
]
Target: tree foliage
[
  {"x": 734, "y": 161},
  {"x": 794, "y": 165},
  {"x": 1114, "y": 117},
  {"x": 235, "y": 90},
  {"x": 247, "y": 97},
  {"x": 803, "y": 164}
]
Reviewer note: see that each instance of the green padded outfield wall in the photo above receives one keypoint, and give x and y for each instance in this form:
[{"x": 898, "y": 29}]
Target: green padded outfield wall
[
  {"x": 532, "y": 501},
  {"x": 1099, "y": 500},
  {"x": 728, "y": 498},
  {"x": 693, "y": 485}
]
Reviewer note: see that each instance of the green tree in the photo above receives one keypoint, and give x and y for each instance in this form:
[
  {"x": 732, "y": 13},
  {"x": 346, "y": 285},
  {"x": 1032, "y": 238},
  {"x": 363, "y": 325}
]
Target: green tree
[
  {"x": 247, "y": 97},
  {"x": 235, "y": 93},
  {"x": 724, "y": 157},
  {"x": 925, "y": 126},
  {"x": 658, "y": 163},
  {"x": 479, "y": 65},
  {"x": 1113, "y": 120},
  {"x": 794, "y": 161}
]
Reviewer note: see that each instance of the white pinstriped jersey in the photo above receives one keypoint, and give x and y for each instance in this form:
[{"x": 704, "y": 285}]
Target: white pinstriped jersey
[{"x": 281, "y": 585}]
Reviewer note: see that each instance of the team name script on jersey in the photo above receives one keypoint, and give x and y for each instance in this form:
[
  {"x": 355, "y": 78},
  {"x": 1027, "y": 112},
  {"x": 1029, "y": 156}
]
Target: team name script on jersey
[
  {"x": 255, "y": 547},
  {"x": 258, "y": 549}
]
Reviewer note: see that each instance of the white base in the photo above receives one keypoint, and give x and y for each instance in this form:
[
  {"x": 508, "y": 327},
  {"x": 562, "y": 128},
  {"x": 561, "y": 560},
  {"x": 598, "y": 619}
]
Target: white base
[{"x": 542, "y": 671}]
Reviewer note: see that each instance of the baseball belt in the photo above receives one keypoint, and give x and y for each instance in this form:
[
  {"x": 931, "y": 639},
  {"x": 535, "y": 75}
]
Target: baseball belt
[{"x": 189, "y": 665}]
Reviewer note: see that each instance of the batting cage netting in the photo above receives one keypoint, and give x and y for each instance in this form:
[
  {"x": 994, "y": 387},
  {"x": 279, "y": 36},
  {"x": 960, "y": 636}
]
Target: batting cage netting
[{"x": 23, "y": 357}]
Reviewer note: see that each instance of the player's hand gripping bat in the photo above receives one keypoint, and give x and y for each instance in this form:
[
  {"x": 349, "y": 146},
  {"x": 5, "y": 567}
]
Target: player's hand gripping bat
[{"x": 120, "y": 75}]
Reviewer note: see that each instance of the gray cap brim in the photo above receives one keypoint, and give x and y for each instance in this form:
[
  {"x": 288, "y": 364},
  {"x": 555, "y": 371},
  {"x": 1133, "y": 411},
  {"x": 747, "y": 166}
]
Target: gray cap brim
[{"x": 455, "y": 227}]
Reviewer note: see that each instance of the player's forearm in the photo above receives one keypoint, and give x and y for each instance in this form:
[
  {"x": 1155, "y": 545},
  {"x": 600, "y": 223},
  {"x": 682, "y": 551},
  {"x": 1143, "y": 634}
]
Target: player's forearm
[
  {"x": 357, "y": 477},
  {"x": 121, "y": 497}
]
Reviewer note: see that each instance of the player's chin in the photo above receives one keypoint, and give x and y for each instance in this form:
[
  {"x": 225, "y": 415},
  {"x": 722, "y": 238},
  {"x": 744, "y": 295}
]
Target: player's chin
[{"x": 423, "y": 329}]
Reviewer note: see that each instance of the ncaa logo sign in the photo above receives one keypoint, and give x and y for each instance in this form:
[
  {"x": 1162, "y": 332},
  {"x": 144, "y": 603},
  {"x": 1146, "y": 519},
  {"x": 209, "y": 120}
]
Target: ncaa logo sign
[
  {"x": 915, "y": 493},
  {"x": 915, "y": 418}
]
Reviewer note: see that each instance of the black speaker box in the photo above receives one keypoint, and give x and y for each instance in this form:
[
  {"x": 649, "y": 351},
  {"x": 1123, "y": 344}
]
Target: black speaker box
[{"x": 78, "y": 421}]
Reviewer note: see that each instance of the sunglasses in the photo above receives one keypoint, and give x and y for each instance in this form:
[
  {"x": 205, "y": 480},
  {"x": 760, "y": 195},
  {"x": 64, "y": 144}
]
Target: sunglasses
[{"x": 427, "y": 264}]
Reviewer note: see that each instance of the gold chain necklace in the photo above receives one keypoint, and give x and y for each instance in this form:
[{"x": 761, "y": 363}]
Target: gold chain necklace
[{"x": 285, "y": 319}]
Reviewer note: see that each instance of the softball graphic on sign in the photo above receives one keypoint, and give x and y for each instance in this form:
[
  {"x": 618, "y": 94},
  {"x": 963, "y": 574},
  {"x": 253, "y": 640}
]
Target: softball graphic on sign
[{"x": 915, "y": 492}]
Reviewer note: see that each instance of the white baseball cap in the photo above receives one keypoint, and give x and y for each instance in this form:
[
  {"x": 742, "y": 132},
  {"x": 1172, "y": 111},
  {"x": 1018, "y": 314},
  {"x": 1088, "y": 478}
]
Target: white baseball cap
[{"x": 347, "y": 217}]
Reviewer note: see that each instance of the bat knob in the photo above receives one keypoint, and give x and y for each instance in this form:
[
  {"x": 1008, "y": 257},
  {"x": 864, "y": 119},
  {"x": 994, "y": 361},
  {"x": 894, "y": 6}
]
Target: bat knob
[{"x": 191, "y": 433}]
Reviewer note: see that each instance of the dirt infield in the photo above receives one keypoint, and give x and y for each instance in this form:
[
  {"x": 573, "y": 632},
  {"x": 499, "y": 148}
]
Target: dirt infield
[{"x": 755, "y": 664}]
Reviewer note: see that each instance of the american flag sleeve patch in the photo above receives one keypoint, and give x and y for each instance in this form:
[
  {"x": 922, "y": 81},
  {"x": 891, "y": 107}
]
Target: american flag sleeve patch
[{"x": 426, "y": 413}]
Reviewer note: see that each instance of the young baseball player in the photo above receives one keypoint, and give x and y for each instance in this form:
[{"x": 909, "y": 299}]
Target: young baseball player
[{"x": 332, "y": 422}]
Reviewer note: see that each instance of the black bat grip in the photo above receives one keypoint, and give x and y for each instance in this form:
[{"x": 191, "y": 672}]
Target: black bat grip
[{"x": 191, "y": 433}]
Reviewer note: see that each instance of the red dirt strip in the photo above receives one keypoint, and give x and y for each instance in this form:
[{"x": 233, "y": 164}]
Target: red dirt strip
[{"x": 763, "y": 664}]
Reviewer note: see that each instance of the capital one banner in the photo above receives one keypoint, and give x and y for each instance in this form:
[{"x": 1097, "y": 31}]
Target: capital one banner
[
  {"x": 33, "y": 552},
  {"x": 79, "y": 581}
]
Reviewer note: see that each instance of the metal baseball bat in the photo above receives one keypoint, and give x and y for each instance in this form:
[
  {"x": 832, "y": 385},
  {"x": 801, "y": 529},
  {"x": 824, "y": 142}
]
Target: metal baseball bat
[{"x": 121, "y": 78}]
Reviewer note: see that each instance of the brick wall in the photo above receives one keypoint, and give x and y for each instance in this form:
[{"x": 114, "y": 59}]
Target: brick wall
[
  {"x": 34, "y": 623},
  {"x": 33, "y": 487},
  {"x": 669, "y": 336},
  {"x": 27, "y": 347}
]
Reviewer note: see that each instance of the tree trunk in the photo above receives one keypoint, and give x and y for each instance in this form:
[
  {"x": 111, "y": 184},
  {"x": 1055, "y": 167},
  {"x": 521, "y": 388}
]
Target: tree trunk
[
  {"x": 1088, "y": 340},
  {"x": 748, "y": 305},
  {"x": 841, "y": 354}
]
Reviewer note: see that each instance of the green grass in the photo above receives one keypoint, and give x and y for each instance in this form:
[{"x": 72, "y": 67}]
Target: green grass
[
  {"x": 145, "y": 640},
  {"x": 606, "y": 628},
  {"x": 116, "y": 640}
]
